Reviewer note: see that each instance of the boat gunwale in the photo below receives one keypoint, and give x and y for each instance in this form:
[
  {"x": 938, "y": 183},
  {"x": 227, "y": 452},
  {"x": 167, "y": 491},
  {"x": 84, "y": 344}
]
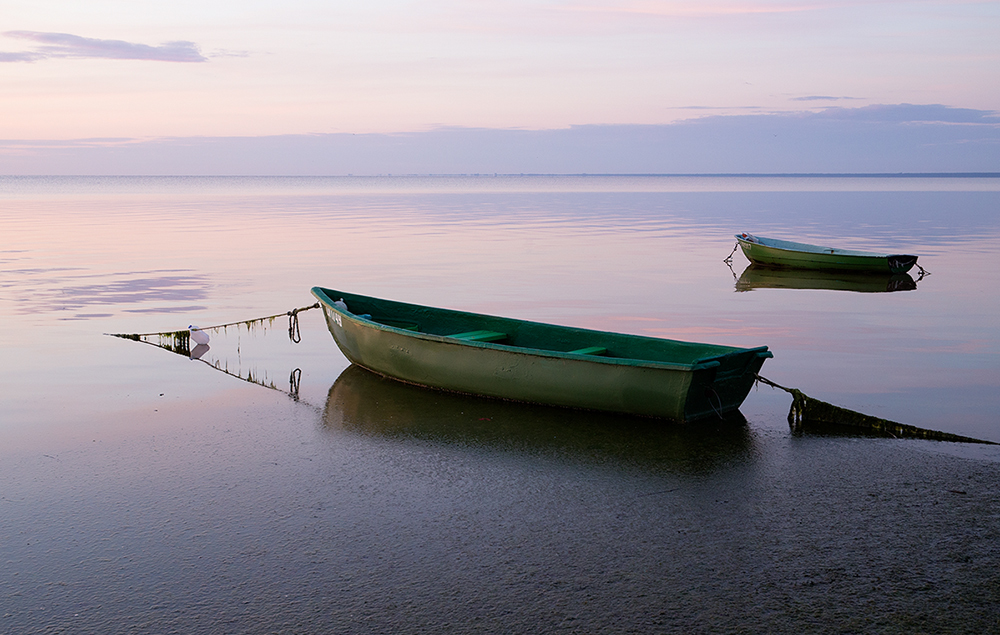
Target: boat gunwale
[{"x": 699, "y": 364}]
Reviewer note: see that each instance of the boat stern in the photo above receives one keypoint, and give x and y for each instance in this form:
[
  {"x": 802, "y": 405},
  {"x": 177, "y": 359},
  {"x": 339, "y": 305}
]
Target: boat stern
[
  {"x": 901, "y": 263},
  {"x": 724, "y": 386}
]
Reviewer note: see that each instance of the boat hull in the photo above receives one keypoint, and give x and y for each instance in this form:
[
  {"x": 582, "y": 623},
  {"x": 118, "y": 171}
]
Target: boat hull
[
  {"x": 783, "y": 253},
  {"x": 683, "y": 390}
]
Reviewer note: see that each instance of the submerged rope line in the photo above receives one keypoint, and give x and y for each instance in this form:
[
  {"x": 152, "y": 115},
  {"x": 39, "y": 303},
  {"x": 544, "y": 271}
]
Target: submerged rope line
[
  {"x": 294, "y": 380},
  {"x": 181, "y": 348},
  {"x": 805, "y": 410}
]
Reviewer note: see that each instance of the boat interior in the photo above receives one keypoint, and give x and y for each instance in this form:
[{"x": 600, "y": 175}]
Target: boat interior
[{"x": 487, "y": 329}]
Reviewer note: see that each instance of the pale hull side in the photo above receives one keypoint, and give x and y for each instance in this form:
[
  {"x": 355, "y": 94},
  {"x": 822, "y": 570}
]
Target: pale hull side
[
  {"x": 831, "y": 259},
  {"x": 679, "y": 392}
]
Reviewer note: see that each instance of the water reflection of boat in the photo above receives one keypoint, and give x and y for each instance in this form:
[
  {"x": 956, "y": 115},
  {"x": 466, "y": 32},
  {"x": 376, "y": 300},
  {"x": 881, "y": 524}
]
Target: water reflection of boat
[
  {"x": 364, "y": 403},
  {"x": 758, "y": 277},
  {"x": 785, "y": 253},
  {"x": 540, "y": 363}
]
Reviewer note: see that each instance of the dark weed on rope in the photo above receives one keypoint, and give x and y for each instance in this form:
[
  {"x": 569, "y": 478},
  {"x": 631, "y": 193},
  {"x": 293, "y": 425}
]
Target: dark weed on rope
[
  {"x": 180, "y": 341},
  {"x": 809, "y": 414}
]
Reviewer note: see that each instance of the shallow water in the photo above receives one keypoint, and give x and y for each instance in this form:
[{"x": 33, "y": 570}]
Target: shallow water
[{"x": 142, "y": 491}]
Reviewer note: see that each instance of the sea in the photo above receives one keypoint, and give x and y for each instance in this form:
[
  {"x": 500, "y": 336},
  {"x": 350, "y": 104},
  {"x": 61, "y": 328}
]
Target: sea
[{"x": 266, "y": 485}]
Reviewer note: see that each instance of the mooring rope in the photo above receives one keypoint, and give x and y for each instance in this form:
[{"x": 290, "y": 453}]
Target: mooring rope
[
  {"x": 181, "y": 347},
  {"x": 805, "y": 410},
  {"x": 182, "y": 337},
  {"x": 293, "y": 323},
  {"x": 729, "y": 259}
]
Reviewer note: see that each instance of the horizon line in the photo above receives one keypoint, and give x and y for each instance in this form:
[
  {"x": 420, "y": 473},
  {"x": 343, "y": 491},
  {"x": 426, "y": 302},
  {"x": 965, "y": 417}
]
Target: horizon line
[{"x": 535, "y": 174}]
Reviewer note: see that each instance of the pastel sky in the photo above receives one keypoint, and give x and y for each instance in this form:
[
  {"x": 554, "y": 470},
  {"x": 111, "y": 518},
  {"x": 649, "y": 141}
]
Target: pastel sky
[{"x": 226, "y": 68}]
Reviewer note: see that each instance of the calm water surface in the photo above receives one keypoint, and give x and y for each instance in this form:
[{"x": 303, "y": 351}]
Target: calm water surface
[{"x": 142, "y": 491}]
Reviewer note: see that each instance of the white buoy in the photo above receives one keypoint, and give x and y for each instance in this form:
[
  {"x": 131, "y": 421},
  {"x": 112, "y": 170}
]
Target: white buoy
[{"x": 199, "y": 336}]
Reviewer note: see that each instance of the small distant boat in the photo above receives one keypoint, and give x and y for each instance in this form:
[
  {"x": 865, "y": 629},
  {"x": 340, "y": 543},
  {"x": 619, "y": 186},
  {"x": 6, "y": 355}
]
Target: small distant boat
[
  {"x": 540, "y": 363},
  {"x": 771, "y": 252}
]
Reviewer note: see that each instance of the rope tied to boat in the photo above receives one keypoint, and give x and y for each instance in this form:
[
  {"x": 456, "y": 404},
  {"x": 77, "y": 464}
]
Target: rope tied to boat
[
  {"x": 293, "y": 323},
  {"x": 806, "y": 412},
  {"x": 180, "y": 341},
  {"x": 729, "y": 258}
]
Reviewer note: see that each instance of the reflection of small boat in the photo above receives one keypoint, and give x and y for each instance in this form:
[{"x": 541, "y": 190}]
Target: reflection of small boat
[
  {"x": 757, "y": 277},
  {"x": 784, "y": 253},
  {"x": 540, "y": 363},
  {"x": 363, "y": 403}
]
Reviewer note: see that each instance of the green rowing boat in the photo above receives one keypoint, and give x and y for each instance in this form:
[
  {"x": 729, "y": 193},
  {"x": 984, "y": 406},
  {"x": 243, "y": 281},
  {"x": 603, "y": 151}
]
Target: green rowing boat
[
  {"x": 518, "y": 360},
  {"x": 785, "y": 253}
]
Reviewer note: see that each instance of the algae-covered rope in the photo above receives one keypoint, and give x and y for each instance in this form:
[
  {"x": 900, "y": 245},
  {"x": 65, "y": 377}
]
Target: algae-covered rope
[
  {"x": 293, "y": 326},
  {"x": 805, "y": 410},
  {"x": 798, "y": 401}
]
